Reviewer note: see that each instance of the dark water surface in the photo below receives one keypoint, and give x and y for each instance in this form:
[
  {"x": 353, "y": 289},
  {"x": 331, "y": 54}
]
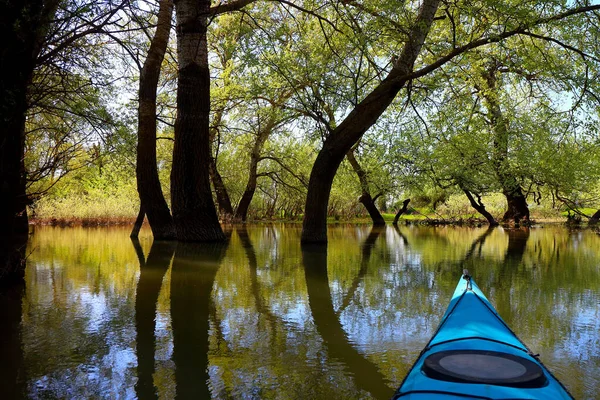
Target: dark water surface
[{"x": 260, "y": 318}]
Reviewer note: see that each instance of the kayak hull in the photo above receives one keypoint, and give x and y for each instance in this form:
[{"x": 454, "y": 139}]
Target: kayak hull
[{"x": 475, "y": 355}]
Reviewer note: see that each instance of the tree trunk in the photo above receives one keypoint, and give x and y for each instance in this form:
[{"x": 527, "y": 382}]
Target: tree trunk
[
  {"x": 401, "y": 211},
  {"x": 517, "y": 207},
  {"x": 595, "y": 218},
  {"x": 478, "y": 205},
  {"x": 194, "y": 212},
  {"x": 20, "y": 29},
  {"x": 223, "y": 200},
  {"x": 137, "y": 225},
  {"x": 23, "y": 25},
  {"x": 149, "y": 188},
  {"x": 361, "y": 118},
  {"x": 365, "y": 198},
  {"x": 241, "y": 212}
]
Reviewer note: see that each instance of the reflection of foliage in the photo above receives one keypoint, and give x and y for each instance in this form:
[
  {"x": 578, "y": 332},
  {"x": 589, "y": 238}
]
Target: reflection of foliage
[{"x": 388, "y": 290}]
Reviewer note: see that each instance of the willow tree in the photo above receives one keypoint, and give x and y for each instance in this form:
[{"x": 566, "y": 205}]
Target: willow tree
[{"x": 461, "y": 28}]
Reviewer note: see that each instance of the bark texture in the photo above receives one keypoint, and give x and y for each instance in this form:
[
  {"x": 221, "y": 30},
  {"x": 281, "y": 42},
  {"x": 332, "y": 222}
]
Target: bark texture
[
  {"x": 365, "y": 198},
  {"x": 148, "y": 184},
  {"x": 361, "y": 118},
  {"x": 194, "y": 212}
]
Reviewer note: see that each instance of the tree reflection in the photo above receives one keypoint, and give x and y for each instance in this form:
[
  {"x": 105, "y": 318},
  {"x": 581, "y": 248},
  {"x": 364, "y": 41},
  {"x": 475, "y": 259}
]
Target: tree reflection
[
  {"x": 253, "y": 264},
  {"x": 12, "y": 371},
  {"x": 366, "y": 249},
  {"x": 366, "y": 374},
  {"x": 149, "y": 284},
  {"x": 192, "y": 277},
  {"x": 517, "y": 243}
]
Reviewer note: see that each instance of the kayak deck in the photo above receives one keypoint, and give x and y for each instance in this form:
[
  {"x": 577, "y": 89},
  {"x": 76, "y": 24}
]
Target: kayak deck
[{"x": 475, "y": 355}]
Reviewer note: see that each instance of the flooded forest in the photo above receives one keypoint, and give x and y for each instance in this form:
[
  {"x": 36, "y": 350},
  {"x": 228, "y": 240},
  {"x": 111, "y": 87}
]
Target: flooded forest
[{"x": 275, "y": 198}]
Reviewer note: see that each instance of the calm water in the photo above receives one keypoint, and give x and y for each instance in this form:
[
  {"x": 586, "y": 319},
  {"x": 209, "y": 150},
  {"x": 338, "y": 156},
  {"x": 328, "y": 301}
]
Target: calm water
[{"x": 261, "y": 318}]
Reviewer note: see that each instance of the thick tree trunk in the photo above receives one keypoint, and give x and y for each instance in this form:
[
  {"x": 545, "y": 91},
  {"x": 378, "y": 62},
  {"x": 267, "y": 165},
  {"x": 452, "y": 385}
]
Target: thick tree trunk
[
  {"x": 401, "y": 211},
  {"x": 148, "y": 184},
  {"x": 149, "y": 284},
  {"x": 23, "y": 25},
  {"x": 361, "y": 118},
  {"x": 595, "y": 218},
  {"x": 480, "y": 207},
  {"x": 517, "y": 208},
  {"x": 365, "y": 198},
  {"x": 194, "y": 212}
]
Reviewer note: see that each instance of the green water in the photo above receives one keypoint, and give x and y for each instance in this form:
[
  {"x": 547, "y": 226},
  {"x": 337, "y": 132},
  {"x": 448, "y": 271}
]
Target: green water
[{"x": 260, "y": 318}]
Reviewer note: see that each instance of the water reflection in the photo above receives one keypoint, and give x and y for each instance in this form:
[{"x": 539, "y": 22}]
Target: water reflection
[
  {"x": 192, "y": 278},
  {"x": 366, "y": 374},
  {"x": 262, "y": 317},
  {"x": 152, "y": 271},
  {"x": 12, "y": 379}
]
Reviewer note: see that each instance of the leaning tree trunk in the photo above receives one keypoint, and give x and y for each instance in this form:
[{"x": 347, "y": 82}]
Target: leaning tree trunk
[
  {"x": 365, "y": 198},
  {"x": 480, "y": 207},
  {"x": 361, "y": 118},
  {"x": 223, "y": 199},
  {"x": 517, "y": 208},
  {"x": 194, "y": 212},
  {"x": 23, "y": 27},
  {"x": 595, "y": 218},
  {"x": 401, "y": 211},
  {"x": 149, "y": 188},
  {"x": 241, "y": 212}
]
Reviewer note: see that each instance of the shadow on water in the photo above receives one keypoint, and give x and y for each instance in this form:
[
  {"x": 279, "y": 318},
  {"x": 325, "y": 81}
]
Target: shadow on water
[
  {"x": 366, "y": 374},
  {"x": 12, "y": 290},
  {"x": 12, "y": 371},
  {"x": 193, "y": 274},
  {"x": 152, "y": 271}
]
